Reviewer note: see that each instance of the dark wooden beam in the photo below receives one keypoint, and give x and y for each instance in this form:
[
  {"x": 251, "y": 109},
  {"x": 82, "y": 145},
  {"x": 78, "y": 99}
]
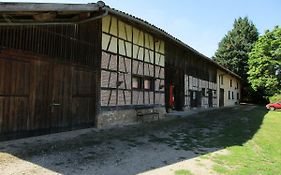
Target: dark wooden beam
[{"x": 49, "y": 7}]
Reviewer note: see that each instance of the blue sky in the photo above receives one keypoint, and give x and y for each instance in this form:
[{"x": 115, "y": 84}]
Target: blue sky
[{"x": 199, "y": 23}]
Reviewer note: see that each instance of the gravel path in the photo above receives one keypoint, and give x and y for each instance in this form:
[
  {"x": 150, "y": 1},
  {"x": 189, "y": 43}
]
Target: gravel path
[{"x": 155, "y": 148}]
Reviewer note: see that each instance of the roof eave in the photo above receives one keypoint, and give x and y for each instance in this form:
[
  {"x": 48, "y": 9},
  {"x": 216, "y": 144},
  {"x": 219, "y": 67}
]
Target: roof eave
[
  {"x": 165, "y": 34},
  {"x": 49, "y": 7}
]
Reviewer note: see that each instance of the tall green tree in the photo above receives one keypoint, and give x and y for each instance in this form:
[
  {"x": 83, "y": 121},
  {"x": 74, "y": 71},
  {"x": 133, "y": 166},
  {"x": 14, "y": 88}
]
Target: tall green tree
[
  {"x": 236, "y": 45},
  {"x": 265, "y": 63}
]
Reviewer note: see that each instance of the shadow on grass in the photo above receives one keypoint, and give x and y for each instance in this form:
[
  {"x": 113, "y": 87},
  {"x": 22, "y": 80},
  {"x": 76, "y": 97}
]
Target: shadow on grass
[
  {"x": 199, "y": 134},
  {"x": 216, "y": 129}
]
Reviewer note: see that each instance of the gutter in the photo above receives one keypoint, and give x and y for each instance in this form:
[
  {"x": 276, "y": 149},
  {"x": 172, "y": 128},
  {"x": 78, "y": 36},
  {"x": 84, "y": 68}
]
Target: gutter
[{"x": 95, "y": 18}]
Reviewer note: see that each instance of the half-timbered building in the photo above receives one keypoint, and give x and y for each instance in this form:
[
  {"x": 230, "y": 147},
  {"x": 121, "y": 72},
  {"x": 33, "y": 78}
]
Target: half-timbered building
[{"x": 66, "y": 66}]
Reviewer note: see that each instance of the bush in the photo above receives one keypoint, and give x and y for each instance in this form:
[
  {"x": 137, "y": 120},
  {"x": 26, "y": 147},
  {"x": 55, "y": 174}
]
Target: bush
[{"x": 275, "y": 98}]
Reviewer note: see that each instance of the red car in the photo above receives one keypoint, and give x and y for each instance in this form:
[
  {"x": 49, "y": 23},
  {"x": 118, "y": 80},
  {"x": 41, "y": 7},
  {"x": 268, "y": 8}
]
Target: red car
[{"x": 273, "y": 106}]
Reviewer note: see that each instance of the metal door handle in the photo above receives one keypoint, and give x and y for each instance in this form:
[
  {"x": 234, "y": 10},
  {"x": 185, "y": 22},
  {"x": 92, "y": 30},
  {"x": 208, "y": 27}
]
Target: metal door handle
[{"x": 55, "y": 104}]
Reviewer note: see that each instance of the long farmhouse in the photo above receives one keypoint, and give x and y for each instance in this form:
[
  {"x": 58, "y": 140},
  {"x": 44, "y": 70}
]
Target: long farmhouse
[{"x": 68, "y": 66}]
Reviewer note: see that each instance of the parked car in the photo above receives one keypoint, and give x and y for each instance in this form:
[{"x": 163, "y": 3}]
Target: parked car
[{"x": 273, "y": 106}]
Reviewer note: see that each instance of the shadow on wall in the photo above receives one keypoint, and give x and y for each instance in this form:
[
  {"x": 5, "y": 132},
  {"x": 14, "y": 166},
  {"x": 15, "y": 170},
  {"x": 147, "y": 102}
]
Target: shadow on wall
[{"x": 134, "y": 149}]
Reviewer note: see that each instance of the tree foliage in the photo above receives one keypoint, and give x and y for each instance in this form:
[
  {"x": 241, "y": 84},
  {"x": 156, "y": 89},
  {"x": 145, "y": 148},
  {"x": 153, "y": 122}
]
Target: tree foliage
[
  {"x": 265, "y": 62},
  {"x": 235, "y": 46}
]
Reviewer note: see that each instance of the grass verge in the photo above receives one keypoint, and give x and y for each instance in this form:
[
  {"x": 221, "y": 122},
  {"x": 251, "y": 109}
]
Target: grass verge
[
  {"x": 183, "y": 172},
  {"x": 259, "y": 155}
]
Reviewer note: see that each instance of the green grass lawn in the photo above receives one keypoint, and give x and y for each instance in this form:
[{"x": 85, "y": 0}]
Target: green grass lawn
[{"x": 261, "y": 154}]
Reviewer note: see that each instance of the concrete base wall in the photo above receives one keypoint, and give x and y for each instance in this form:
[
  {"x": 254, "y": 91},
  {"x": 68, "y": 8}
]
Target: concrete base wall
[{"x": 126, "y": 116}]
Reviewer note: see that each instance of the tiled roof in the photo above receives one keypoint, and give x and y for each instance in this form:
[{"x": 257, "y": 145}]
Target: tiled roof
[
  {"x": 166, "y": 34},
  {"x": 34, "y": 7}
]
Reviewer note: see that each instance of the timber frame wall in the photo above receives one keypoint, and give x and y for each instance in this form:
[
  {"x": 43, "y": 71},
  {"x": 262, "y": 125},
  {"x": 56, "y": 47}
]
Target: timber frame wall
[
  {"x": 194, "y": 79},
  {"x": 130, "y": 52}
]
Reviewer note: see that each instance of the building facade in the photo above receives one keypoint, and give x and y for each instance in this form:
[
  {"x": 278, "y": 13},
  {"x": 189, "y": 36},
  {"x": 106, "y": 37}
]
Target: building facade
[
  {"x": 70, "y": 66},
  {"x": 228, "y": 88}
]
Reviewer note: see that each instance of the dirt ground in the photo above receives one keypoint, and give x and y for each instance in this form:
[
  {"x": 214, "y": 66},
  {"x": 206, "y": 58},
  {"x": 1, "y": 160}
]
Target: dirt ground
[{"x": 161, "y": 147}]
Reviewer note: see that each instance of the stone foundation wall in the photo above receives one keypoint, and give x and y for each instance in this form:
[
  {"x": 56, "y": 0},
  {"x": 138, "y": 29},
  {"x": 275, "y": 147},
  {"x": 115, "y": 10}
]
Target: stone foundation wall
[{"x": 126, "y": 117}]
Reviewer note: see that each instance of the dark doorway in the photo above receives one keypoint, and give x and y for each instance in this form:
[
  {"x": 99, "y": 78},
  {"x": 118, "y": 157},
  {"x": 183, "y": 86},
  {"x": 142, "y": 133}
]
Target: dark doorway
[
  {"x": 210, "y": 98},
  {"x": 221, "y": 100},
  {"x": 193, "y": 99},
  {"x": 198, "y": 98}
]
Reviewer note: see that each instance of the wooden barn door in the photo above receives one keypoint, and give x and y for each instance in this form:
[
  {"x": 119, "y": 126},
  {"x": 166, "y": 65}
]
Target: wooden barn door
[
  {"x": 60, "y": 96},
  {"x": 39, "y": 95},
  {"x": 72, "y": 101},
  {"x": 83, "y": 97},
  {"x": 14, "y": 95}
]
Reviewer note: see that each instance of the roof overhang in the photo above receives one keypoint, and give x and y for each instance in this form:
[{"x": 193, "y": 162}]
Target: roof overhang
[
  {"x": 56, "y": 13},
  {"x": 164, "y": 34},
  {"x": 48, "y": 12}
]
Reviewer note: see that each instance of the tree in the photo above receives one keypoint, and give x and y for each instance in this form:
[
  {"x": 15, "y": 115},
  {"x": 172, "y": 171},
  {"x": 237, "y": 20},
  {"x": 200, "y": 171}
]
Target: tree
[
  {"x": 265, "y": 63},
  {"x": 236, "y": 45}
]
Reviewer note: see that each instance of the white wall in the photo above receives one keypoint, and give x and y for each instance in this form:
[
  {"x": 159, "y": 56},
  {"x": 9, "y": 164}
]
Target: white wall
[{"x": 227, "y": 88}]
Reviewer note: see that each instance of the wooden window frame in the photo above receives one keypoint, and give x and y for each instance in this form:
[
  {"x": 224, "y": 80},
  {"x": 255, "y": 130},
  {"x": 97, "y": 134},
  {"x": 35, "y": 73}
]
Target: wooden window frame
[
  {"x": 152, "y": 83},
  {"x": 139, "y": 79}
]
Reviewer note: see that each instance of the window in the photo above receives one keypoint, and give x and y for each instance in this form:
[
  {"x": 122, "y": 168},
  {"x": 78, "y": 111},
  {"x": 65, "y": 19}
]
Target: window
[
  {"x": 221, "y": 79},
  {"x": 228, "y": 95},
  {"x": 148, "y": 84},
  {"x": 237, "y": 85},
  {"x": 136, "y": 82},
  {"x": 142, "y": 83},
  {"x": 230, "y": 82},
  {"x": 232, "y": 95},
  {"x": 238, "y": 96}
]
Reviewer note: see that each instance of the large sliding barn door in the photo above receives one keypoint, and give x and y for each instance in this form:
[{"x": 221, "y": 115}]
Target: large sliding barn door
[{"x": 40, "y": 95}]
